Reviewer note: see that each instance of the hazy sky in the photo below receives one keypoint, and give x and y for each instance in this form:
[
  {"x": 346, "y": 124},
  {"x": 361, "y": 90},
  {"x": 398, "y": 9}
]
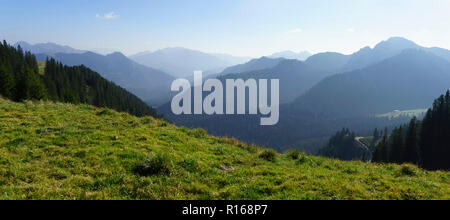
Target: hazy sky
[{"x": 238, "y": 27}]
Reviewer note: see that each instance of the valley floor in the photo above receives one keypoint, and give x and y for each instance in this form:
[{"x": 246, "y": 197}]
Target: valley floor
[{"x": 63, "y": 151}]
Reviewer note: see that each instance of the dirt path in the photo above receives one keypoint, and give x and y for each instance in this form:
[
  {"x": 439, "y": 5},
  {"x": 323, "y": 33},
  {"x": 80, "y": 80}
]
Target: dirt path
[{"x": 364, "y": 145}]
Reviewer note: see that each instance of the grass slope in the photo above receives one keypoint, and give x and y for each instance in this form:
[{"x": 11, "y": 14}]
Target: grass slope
[{"x": 63, "y": 151}]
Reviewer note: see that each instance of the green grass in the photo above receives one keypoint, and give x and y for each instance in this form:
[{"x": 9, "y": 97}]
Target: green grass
[{"x": 63, "y": 151}]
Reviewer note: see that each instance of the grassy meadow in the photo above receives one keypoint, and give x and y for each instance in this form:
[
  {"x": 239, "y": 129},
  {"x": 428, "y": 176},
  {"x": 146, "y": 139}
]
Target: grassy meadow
[{"x": 70, "y": 152}]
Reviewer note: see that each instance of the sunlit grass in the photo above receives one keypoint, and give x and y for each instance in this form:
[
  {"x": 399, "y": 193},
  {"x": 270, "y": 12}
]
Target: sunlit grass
[{"x": 62, "y": 151}]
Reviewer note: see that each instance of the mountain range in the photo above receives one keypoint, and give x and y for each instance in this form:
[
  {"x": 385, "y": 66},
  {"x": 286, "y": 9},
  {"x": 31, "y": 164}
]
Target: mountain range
[
  {"x": 302, "y": 56},
  {"x": 406, "y": 81},
  {"x": 23, "y": 78},
  {"x": 181, "y": 62},
  {"x": 48, "y": 48},
  {"x": 149, "y": 80},
  {"x": 330, "y": 91},
  {"x": 253, "y": 65},
  {"x": 295, "y": 76},
  {"x": 151, "y": 85}
]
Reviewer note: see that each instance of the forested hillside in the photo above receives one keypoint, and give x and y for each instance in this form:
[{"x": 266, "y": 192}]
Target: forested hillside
[
  {"x": 20, "y": 79},
  {"x": 425, "y": 143},
  {"x": 343, "y": 146},
  {"x": 150, "y": 85}
]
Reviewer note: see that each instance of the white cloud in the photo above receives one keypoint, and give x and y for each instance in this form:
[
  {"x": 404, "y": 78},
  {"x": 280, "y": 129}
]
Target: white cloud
[
  {"x": 295, "y": 31},
  {"x": 351, "y": 30},
  {"x": 107, "y": 16}
]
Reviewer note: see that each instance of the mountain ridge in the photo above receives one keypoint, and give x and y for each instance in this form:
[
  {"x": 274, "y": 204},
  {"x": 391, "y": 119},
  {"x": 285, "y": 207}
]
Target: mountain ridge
[
  {"x": 349, "y": 99},
  {"x": 46, "y": 48},
  {"x": 302, "y": 56},
  {"x": 151, "y": 85},
  {"x": 410, "y": 63},
  {"x": 182, "y": 62}
]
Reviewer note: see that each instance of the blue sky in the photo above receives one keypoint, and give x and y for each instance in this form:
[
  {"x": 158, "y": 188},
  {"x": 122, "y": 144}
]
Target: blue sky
[{"x": 239, "y": 27}]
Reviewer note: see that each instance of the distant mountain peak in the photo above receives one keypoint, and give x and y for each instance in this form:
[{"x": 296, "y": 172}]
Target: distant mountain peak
[
  {"x": 91, "y": 53},
  {"x": 177, "y": 50},
  {"x": 383, "y": 50},
  {"x": 22, "y": 43},
  {"x": 265, "y": 58},
  {"x": 397, "y": 43},
  {"x": 253, "y": 65},
  {"x": 117, "y": 54},
  {"x": 168, "y": 60},
  {"x": 399, "y": 39},
  {"x": 302, "y": 56},
  {"x": 365, "y": 49},
  {"x": 141, "y": 53}
]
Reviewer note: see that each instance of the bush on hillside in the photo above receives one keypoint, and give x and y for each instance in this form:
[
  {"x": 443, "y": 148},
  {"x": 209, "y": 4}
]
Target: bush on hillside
[
  {"x": 155, "y": 164},
  {"x": 294, "y": 154},
  {"x": 268, "y": 155}
]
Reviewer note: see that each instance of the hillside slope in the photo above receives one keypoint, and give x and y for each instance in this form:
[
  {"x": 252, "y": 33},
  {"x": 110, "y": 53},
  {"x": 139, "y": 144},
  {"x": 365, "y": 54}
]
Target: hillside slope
[
  {"x": 253, "y": 65},
  {"x": 151, "y": 85},
  {"x": 23, "y": 78},
  {"x": 63, "y": 151},
  {"x": 407, "y": 81}
]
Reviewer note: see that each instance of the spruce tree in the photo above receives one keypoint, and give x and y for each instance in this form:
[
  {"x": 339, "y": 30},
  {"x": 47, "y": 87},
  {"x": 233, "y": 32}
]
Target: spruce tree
[
  {"x": 397, "y": 146},
  {"x": 37, "y": 89},
  {"x": 411, "y": 154},
  {"x": 6, "y": 83},
  {"x": 377, "y": 154},
  {"x": 21, "y": 91}
]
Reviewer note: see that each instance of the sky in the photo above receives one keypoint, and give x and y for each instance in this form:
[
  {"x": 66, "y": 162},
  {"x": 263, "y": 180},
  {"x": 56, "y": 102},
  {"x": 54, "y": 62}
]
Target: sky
[{"x": 239, "y": 27}]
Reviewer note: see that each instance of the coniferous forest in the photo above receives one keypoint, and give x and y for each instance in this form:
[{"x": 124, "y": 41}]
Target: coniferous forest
[
  {"x": 425, "y": 143},
  {"x": 20, "y": 79},
  {"x": 342, "y": 146}
]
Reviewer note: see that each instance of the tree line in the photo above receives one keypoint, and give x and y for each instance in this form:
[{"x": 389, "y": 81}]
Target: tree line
[
  {"x": 342, "y": 146},
  {"x": 20, "y": 80},
  {"x": 425, "y": 143}
]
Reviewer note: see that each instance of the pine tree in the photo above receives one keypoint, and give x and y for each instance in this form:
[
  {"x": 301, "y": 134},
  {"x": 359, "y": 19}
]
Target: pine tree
[
  {"x": 376, "y": 134},
  {"x": 381, "y": 152},
  {"x": 434, "y": 141},
  {"x": 6, "y": 83},
  {"x": 37, "y": 89},
  {"x": 411, "y": 154},
  {"x": 397, "y": 146},
  {"x": 21, "y": 90},
  {"x": 426, "y": 139},
  {"x": 376, "y": 138}
]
